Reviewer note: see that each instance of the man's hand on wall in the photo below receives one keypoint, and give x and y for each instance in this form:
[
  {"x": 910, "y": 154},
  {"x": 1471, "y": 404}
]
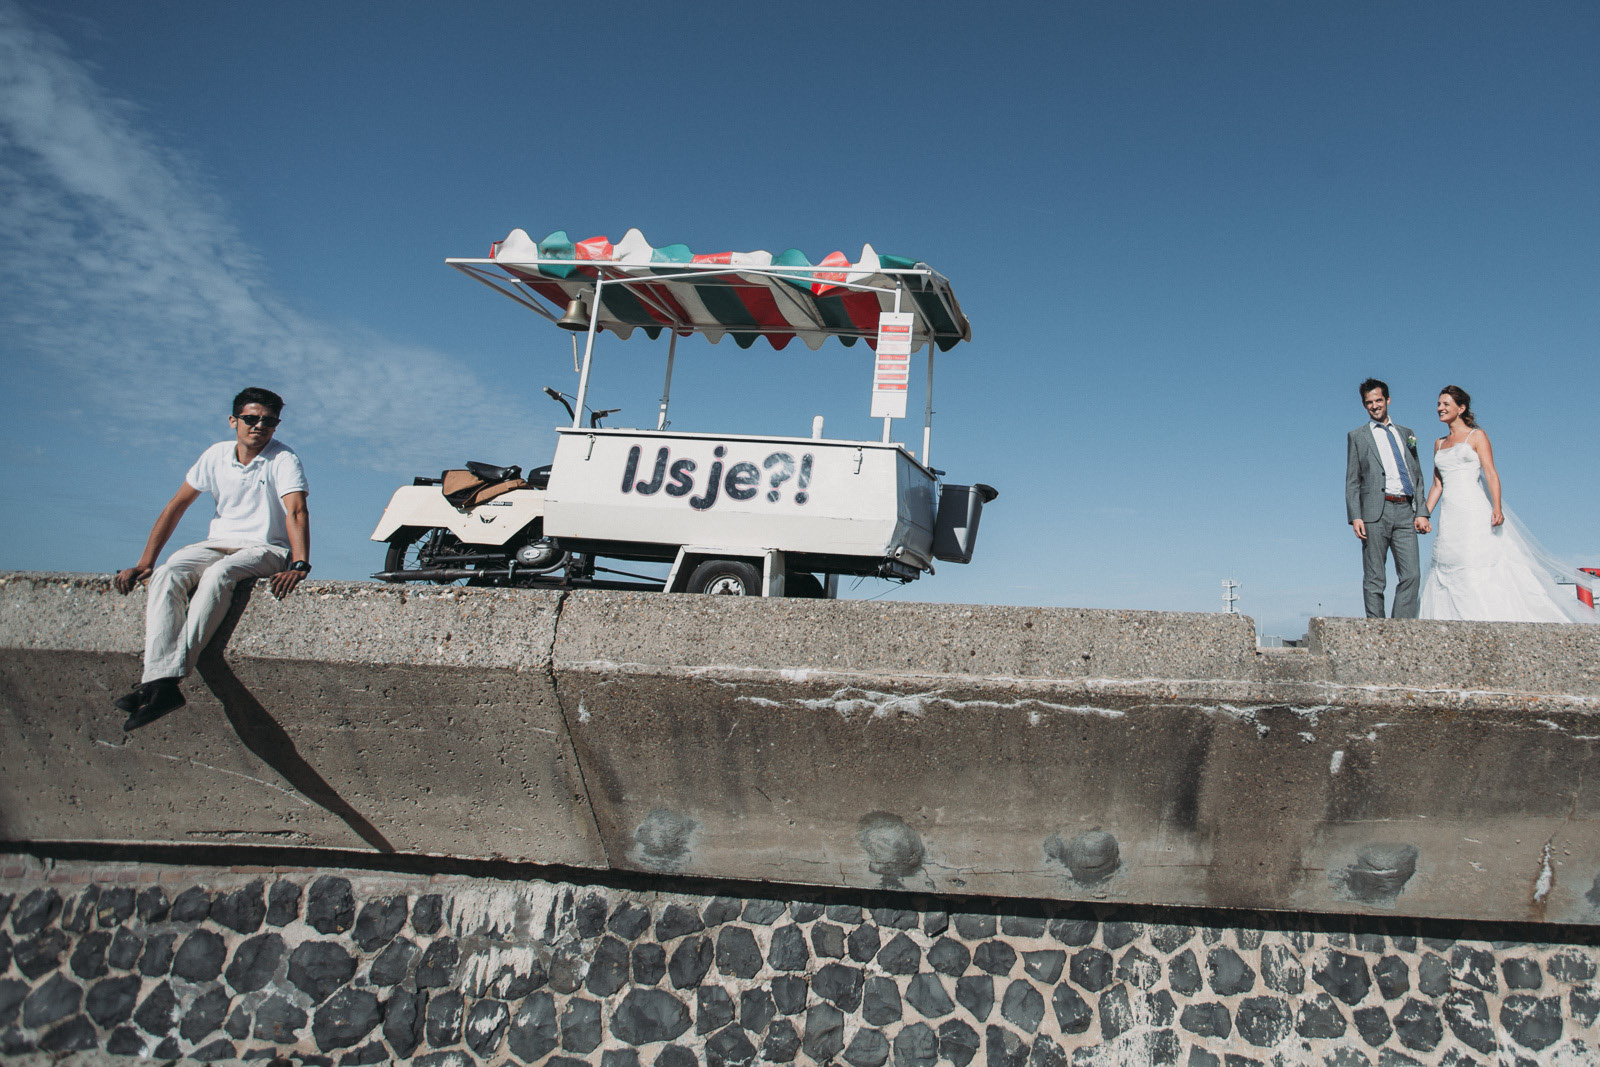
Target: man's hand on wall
[
  {"x": 283, "y": 582},
  {"x": 127, "y": 579}
]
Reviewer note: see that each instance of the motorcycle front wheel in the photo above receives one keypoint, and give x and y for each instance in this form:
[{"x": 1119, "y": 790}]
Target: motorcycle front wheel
[{"x": 405, "y": 551}]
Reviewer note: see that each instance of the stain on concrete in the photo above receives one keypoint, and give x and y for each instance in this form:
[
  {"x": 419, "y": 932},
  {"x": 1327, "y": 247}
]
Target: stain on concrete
[
  {"x": 1091, "y": 857},
  {"x": 1380, "y": 872},
  {"x": 1183, "y": 811},
  {"x": 665, "y": 841},
  {"x": 1593, "y": 895},
  {"x": 894, "y": 850}
]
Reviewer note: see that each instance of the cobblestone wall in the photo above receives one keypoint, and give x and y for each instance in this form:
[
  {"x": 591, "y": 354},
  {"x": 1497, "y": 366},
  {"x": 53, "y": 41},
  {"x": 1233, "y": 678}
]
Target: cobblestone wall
[{"x": 360, "y": 968}]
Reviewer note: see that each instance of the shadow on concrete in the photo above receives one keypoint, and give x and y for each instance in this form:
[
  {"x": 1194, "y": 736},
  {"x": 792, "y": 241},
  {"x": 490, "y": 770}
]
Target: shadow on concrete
[{"x": 263, "y": 736}]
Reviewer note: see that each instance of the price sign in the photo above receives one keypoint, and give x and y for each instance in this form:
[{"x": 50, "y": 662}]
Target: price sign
[{"x": 891, "y": 373}]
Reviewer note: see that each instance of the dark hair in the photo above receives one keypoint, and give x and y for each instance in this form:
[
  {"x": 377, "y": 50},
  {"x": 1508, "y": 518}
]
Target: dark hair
[
  {"x": 1462, "y": 397},
  {"x": 265, "y": 397},
  {"x": 1372, "y": 383}
]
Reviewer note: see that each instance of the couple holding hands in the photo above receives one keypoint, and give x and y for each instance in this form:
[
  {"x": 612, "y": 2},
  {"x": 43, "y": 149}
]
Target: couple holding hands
[{"x": 1485, "y": 565}]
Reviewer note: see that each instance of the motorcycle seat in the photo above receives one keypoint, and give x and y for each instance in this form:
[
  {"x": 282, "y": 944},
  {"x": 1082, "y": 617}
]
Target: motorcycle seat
[
  {"x": 490, "y": 473},
  {"x": 466, "y": 489}
]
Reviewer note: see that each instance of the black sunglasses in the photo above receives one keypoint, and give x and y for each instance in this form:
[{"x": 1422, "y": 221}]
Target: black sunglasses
[{"x": 268, "y": 422}]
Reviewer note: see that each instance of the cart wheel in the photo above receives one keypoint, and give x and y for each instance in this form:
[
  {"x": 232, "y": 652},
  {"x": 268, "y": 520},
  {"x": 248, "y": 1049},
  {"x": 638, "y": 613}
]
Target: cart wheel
[
  {"x": 804, "y": 586},
  {"x": 725, "y": 577}
]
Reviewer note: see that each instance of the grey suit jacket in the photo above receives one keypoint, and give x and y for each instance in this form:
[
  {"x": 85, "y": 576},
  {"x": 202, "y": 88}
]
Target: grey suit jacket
[{"x": 1363, "y": 475}]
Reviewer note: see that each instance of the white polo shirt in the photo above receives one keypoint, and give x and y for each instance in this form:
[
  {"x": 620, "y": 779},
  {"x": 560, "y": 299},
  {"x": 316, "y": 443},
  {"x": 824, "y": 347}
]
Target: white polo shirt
[{"x": 250, "y": 495}]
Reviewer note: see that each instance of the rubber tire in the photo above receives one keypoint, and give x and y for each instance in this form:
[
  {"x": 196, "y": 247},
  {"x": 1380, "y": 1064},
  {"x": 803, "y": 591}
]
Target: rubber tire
[
  {"x": 804, "y": 586},
  {"x": 394, "y": 559},
  {"x": 732, "y": 577},
  {"x": 400, "y": 546}
]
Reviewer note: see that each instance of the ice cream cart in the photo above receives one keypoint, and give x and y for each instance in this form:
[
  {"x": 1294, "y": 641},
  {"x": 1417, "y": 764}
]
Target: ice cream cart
[{"x": 732, "y": 513}]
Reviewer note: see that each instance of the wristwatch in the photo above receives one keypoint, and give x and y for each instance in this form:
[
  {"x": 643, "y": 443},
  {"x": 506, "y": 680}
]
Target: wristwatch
[{"x": 300, "y": 565}]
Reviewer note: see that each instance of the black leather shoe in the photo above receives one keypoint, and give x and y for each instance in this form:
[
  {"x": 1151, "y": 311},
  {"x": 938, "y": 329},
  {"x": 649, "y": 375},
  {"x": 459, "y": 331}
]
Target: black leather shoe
[
  {"x": 163, "y": 696},
  {"x": 129, "y": 703}
]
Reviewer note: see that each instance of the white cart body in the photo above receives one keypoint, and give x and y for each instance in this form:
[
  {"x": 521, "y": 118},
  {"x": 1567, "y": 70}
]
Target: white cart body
[{"x": 860, "y": 499}]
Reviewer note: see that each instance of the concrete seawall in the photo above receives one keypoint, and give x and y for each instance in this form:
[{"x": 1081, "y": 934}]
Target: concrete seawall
[{"x": 1393, "y": 768}]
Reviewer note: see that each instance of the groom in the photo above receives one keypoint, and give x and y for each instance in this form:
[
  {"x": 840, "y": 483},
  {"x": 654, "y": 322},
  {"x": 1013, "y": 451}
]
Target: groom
[{"x": 1385, "y": 501}]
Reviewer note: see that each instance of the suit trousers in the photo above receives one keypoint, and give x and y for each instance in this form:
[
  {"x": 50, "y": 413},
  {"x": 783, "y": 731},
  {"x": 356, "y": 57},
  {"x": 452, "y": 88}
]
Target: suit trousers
[
  {"x": 189, "y": 596},
  {"x": 1393, "y": 532}
]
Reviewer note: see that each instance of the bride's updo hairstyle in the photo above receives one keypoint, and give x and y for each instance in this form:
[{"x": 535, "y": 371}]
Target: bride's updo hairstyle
[{"x": 1462, "y": 397}]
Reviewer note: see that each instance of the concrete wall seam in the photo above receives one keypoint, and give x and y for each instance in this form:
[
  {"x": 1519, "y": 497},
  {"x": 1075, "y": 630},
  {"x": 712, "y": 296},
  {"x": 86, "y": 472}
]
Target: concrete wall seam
[{"x": 567, "y": 717}]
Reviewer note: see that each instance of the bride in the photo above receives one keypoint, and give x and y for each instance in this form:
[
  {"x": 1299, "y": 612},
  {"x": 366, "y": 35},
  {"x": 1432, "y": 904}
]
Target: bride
[{"x": 1485, "y": 564}]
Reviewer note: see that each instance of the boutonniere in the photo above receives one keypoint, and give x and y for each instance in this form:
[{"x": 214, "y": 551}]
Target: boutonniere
[{"x": 1411, "y": 439}]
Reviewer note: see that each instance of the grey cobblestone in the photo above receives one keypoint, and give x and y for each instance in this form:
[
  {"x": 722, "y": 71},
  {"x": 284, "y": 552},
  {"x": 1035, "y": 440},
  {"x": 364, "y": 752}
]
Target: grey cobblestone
[{"x": 353, "y": 968}]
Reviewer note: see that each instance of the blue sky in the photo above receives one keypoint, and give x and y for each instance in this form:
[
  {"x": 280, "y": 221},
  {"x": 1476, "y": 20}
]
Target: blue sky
[{"x": 1183, "y": 232}]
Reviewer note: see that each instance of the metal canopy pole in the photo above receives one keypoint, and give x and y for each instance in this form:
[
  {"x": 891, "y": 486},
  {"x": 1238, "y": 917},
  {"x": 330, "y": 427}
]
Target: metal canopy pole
[
  {"x": 588, "y": 353},
  {"x": 927, "y": 411},
  {"x": 666, "y": 388},
  {"x": 508, "y": 288}
]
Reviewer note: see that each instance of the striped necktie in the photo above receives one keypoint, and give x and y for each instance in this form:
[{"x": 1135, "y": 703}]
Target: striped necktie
[{"x": 1400, "y": 461}]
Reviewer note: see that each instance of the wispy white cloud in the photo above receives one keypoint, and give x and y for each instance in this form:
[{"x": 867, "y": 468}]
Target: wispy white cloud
[{"x": 124, "y": 277}]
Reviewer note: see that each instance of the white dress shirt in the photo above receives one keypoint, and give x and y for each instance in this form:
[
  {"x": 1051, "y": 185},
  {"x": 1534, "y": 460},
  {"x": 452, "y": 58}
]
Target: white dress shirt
[{"x": 1392, "y": 486}]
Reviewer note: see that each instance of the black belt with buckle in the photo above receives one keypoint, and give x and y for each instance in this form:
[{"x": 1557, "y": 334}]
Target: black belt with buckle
[{"x": 1397, "y": 499}]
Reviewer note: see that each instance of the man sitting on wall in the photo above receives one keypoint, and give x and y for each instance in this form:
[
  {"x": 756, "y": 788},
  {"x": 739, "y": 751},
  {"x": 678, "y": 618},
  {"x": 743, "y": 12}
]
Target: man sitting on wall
[{"x": 260, "y": 527}]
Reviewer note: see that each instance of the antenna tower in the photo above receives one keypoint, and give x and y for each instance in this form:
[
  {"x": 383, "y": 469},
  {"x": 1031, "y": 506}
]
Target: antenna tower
[{"x": 1229, "y": 597}]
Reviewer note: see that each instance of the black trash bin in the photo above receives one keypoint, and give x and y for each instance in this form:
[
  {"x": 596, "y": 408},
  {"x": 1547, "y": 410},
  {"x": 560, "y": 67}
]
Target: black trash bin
[{"x": 955, "y": 527}]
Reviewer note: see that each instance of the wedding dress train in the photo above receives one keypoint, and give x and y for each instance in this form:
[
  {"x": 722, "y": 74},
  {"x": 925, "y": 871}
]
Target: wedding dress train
[{"x": 1489, "y": 573}]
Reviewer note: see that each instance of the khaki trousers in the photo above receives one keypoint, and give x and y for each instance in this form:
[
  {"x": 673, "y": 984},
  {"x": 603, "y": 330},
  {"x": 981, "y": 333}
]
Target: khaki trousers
[{"x": 189, "y": 596}]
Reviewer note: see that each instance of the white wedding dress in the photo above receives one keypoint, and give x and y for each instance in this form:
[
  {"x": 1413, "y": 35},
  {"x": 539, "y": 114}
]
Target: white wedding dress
[{"x": 1489, "y": 573}]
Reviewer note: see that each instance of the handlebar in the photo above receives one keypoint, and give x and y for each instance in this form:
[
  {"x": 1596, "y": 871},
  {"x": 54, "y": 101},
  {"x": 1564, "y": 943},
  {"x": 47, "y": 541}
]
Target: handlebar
[
  {"x": 594, "y": 416},
  {"x": 559, "y": 399}
]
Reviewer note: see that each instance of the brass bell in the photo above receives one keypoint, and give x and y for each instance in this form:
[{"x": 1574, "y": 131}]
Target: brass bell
[{"x": 577, "y": 316}]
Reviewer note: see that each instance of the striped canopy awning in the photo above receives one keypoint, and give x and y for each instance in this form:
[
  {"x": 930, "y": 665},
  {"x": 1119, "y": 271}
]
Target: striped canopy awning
[{"x": 748, "y": 295}]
